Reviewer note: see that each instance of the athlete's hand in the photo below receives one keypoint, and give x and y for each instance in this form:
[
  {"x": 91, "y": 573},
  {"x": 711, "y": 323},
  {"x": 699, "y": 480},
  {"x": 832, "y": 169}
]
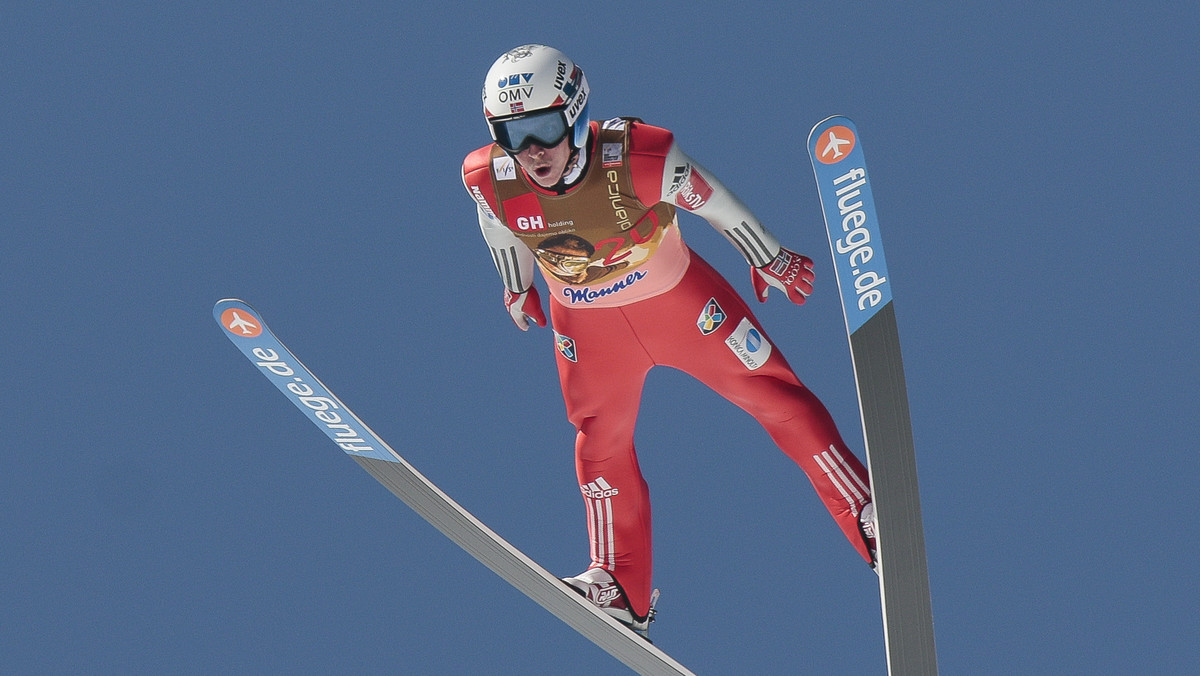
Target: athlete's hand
[
  {"x": 790, "y": 272},
  {"x": 525, "y": 306}
]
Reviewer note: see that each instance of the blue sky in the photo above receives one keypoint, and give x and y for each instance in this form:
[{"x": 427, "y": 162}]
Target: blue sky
[{"x": 163, "y": 509}]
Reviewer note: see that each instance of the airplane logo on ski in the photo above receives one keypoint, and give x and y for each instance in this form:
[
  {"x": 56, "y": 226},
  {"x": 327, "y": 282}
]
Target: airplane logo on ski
[
  {"x": 835, "y": 138},
  {"x": 235, "y": 323}
]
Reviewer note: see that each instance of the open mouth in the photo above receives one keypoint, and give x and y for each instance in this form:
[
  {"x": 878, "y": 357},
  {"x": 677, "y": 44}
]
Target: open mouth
[{"x": 542, "y": 170}]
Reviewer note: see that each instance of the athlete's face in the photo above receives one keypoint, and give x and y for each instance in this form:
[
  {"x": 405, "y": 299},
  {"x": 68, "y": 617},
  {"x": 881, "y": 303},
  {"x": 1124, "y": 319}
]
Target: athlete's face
[{"x": 545, "y": 166}]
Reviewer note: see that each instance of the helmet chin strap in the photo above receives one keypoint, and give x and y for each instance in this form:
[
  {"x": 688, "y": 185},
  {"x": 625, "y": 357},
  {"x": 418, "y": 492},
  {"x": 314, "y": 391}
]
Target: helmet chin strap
[
  {"x": 575, "y": 167},
  {"x": 576, "y": 164}
]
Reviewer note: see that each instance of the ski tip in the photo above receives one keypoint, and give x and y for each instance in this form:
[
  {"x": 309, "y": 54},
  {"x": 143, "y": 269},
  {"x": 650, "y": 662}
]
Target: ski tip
[
  {"x": 830, "y": 121},
  {"x": 833, "y": 141}
]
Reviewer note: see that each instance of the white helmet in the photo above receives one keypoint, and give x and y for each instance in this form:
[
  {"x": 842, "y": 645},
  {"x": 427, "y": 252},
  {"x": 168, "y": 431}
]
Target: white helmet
[{"x": 535, "y": 94}]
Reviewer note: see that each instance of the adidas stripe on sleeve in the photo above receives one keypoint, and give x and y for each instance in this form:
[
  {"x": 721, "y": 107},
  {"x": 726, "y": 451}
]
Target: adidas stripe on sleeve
[{"x": 514, "y": 261}]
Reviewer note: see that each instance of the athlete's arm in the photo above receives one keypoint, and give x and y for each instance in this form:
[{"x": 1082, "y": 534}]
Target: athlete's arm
[
  {"x": 771, "y": 265},
  {"x": 514, "y": 261},
  {"x": 688, "y": 185},
  {"x": 693, "y": 188}
]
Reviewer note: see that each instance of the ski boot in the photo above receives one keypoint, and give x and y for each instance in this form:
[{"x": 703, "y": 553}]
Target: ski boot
[
  {"x": 598, "y": 586},
  {"x": 869, "y": 527}
]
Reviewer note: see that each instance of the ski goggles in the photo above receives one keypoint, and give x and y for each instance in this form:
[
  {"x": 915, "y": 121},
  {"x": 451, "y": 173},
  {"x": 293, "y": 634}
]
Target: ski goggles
[{"x": 546, "y": 128}]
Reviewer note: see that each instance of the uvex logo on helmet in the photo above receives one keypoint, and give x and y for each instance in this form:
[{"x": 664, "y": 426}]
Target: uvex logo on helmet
[{"x": 573, "y": 89}]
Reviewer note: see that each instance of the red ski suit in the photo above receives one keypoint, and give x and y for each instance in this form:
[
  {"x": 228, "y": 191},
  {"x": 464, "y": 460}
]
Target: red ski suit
[{"x": 629, "y": 295}]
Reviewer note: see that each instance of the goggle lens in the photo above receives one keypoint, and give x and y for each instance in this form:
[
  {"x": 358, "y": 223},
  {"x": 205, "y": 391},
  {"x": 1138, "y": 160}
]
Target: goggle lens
[{"x": 547, "y": 128}]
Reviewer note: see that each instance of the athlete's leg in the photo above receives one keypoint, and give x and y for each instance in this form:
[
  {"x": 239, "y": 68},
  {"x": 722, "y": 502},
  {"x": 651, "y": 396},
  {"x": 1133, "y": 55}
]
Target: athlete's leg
[
  {"x": 755, "y": 376},
  {"x": 602, "y": 369}
]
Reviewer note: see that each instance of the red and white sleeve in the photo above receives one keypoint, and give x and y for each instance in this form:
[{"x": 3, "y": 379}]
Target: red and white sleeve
[{"x": 693, "y": 188}]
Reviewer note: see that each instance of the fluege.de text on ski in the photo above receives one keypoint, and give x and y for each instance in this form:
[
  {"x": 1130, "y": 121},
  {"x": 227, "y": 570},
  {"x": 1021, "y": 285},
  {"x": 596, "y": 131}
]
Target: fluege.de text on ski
[
  {"x": 856, "y": 244},
  {"x": 322, "y": 407}
]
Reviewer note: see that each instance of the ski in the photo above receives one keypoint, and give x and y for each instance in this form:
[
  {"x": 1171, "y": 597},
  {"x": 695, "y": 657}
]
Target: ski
[
  {"x": 247, "y": 330},
  {"x": 835, "y": 150}
]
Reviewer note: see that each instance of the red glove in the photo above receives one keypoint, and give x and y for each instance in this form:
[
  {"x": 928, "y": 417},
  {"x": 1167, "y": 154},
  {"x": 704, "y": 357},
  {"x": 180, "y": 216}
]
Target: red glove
[
  {"x": 789, "y": 272},
  {"x": 525, "y": 306}
]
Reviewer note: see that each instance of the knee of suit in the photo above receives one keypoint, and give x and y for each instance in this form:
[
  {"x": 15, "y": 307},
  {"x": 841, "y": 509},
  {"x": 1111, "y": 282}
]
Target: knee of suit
[{"x": 607, "y": 429}]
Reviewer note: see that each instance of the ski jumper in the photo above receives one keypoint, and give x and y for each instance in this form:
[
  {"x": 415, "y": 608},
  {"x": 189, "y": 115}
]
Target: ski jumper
[{"x": 629, "y": 295}]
